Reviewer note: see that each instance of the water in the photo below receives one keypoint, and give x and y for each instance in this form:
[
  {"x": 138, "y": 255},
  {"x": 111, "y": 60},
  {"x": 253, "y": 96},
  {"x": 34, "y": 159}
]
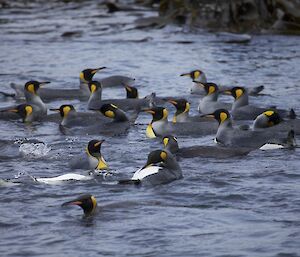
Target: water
[{"x": 235, "y": 207}]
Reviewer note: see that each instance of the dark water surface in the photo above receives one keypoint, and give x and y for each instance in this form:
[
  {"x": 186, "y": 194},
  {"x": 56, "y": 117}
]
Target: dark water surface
[{"x": 246, "y": 206}]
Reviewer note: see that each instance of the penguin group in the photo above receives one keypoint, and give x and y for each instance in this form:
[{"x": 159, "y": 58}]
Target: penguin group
[{"x": 237, "y": 127}]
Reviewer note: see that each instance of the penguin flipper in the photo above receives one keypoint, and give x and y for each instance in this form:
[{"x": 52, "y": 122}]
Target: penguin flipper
[{"x": 129, "y": 182}]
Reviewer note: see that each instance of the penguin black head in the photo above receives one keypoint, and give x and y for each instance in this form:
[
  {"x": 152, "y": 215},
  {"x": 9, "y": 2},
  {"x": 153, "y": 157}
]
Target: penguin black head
[
  {"x": 236, "y": 92},
  {"x": 113, "y": 112},
  {"x": 158, "y": 113},
  {"x": 171, "y": 144},
  {"x": 220, "y": 115},
  {"x": 94, "y": 86},
  {"x": 33, "y": 86},
  {"x": 87, "y": 202},
  {"x": 64, "y": 110},
  {"x": 157, "y": 156},
  {"x": 181, "y": 105},
  {"x": 195, "y": 74},
  {"x": 94, "y": 147},
  {"x": 273, "y": 117},
  {"x": 131, "y": 92},
  {"x": 88, "y": 74},
  {"x": 24, "y": 110}
]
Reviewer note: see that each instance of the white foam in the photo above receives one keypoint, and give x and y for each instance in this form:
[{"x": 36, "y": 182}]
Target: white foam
[{"x": 34, "y": 149}]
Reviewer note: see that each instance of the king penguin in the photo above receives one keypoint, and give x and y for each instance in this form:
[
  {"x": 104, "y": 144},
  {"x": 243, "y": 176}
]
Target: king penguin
[
  {"x": 87, "y": 202},
  {"x": 161, "y": 168}
]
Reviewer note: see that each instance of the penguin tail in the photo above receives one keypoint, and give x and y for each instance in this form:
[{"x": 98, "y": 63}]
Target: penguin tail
[{"x": 129, "y": 182}]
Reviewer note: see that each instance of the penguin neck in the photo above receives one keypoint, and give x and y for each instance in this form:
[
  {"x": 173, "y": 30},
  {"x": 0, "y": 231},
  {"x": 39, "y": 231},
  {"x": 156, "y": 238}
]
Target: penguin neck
[
  {"x": 261, "y": 121},
  {"x": 211, "y": 97},
  {"x": 96, "y": 161},
  {"x": 181, "y": 117},
  {"x": 95, "y": 96},
  {"x": 71, "y": 115},
  {"x": 172, "y": 147},
  {"x": 226, "y": 124},
  {"x": 159, "y": 127},
  {"x": 171, "y": 162},
  {"x": 120, "y": 116},
  {"x": 84, "y": 88},
  {"x": 241, "y": 101},
  {"x": 221, "y": 132},
  {"x": 36, "y": 100}
]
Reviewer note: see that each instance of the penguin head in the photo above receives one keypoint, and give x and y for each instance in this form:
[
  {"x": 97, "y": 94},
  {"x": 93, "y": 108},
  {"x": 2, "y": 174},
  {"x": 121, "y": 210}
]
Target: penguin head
[
  {"x": 181, "y": 105},
  {"x": 87, "y": 202},
  {"x": 236, "y": 92},
  {"x": 64, "y": 110},
  {"x": 221, "y": 115},
  {"x": 170, "y": 143},
  {"x": 94, "y": 147},
  {"x": 131, "y": 92},
  {"x": 33, "y": 86},
  {"x": 156, "y": 157},
  {"x": 273, "y": 117},
  {"x": 24, "y": 110},
  {"x": 113, "y": 112},
  {"x": 210, "y": 88},
  {"x": 88, "y": 74},
  {"x": 158, "y": 113},
  {"x": 195, "y": 74},
  {"x": 94, "y": 86}
]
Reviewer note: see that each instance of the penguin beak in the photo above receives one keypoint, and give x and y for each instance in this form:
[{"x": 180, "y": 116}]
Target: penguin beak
[
  {"x": 226, "y": 92},
  {"x": 11, "y": 110},
  {"x": 54, "y": 110},
  {"x": 98, "y": 69},
  {"x": 44, "y": 83},
  {"x": 149, "y": 111},
  {"x": 172, "y": 102},
  {"x": 73, "y": 202},
  {"x": 185, "y": 74},
  {"x": 208, "y": 116},
  {"x": 99, "y": 143}
]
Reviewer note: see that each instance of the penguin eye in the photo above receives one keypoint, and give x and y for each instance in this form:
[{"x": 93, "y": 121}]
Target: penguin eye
[
  {"x": 269, "y": 113},
  {"x": 163, "y": 155}
]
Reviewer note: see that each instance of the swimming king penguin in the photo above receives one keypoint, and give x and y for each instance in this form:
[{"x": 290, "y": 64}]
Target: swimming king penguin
[
  {"x": 229, "y": 136},
  {"x": 160, "y": 168},
  {"x": 92, "y": 159},
  {"x": 159, "y": 126},
  {"x": 24, "y": 111},
  {"x": 87, "y": 202}
]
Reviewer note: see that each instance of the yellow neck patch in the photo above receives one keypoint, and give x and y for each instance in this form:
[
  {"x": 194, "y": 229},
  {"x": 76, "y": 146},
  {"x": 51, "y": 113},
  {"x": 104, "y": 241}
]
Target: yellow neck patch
[
  {"x": 269, "y": 113},
  {"x": 101, "y": 164},
  {"x": 109, "y": 114},
  {"x": 197, "y": 74},
  {"x": 211, "y": 90},
  {"x": 93, "y": 88},
  {"x": 28, "y": 110},
  {"x": 163, "y": 155},
  {"x": 166, "y": 141},
  {"x": 174, "y": 120},
  {"x": 187, "y": 107},
  {"x": 165, "y": 114},
  {"x": 223, "y": 116},
  {"x": 81, "y": 76},
  {"x": 150, "y": 132},
  {"x": 238, "y": 93},
  {"x": 66, "y": 110},
  {"x": 94, "y": 203},
  {"x": 30, "y": 88}
]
